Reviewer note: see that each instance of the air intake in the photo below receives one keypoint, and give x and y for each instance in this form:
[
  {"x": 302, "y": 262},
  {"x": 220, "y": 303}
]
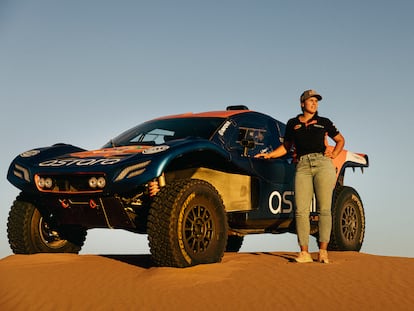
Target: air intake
[{"x": 238, "y": 107}]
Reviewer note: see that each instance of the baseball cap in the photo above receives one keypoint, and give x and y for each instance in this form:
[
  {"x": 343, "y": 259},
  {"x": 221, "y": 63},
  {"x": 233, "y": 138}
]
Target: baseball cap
[{"x": 309, "y": 93}]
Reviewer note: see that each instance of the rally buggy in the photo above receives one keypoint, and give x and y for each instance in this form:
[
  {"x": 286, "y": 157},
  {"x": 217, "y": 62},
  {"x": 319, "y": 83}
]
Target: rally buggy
[{"x": 190, "y": 182}]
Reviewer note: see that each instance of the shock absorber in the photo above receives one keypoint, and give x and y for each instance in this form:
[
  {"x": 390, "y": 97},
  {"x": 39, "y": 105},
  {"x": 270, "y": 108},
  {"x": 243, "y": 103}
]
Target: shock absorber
[{"x": 155, "y": 185}]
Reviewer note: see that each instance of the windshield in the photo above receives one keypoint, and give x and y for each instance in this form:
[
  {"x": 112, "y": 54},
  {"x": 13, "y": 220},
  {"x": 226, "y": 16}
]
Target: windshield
[{"x": 157, "y": 132}]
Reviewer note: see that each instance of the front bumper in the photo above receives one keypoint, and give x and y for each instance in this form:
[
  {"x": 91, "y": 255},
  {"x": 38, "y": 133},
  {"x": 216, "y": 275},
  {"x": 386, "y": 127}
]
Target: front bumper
[{"x": 89, "y": 212}]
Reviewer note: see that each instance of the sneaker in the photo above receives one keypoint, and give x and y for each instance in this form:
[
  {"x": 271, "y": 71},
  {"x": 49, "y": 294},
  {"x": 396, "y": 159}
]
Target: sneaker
[
  {"x": 304, "y": 257},
  {"x": 323, "y": 256}
]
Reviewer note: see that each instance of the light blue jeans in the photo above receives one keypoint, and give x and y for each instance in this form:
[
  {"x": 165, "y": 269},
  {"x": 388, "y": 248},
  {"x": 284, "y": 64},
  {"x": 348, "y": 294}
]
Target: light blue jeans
[{"x": 315, "y": 174}]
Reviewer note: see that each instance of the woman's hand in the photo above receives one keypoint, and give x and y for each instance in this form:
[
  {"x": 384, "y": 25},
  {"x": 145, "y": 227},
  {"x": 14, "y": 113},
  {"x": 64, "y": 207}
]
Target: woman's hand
[
  {"x": 278, "y": 152},
  {"x": 339, "y": 146},
  {"x": 329, "y": 154},
  {"x": 262, "y": 155}
]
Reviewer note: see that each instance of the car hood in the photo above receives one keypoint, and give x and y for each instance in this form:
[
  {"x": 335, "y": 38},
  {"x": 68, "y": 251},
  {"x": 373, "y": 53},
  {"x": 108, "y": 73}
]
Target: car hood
[
  {"x": 110, "y": 152},
  {"x": 69, "y": 158}
]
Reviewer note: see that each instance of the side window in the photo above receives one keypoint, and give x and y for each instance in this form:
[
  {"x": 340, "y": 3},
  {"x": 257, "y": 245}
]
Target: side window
[
  {"x": 253, "y": 140},
  {"x": 253, "y": 134}
]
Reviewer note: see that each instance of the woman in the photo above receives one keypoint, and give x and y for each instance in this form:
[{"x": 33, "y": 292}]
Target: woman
[{"x": 315, "y": 172}]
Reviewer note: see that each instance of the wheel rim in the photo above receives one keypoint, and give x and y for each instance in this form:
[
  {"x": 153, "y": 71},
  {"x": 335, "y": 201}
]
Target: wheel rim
[
  {"x": 349, "y": 223},
  {"x": 48, "y": 236},
  {"x": 198, "y": 229}
]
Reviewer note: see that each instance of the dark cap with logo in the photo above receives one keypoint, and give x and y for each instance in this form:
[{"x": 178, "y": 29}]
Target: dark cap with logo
[{"x": 308, "y": 94}]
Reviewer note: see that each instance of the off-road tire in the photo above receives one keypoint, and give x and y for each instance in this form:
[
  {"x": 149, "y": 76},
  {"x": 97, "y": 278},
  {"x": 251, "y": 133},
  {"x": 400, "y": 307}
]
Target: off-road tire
[
  {"x": 234, "y": 243},
  {"x": 29, "y": 233},
  {"x": 187, "y": 224},
  {"x": 348, "y": 220}
]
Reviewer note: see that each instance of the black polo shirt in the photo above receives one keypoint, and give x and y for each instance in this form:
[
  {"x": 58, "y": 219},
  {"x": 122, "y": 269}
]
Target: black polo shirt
[{"x": 309, "y": 137}]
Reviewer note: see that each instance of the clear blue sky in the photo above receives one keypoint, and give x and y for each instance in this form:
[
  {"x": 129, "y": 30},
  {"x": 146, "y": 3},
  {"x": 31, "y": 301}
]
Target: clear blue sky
[{"x": 82, "y": 71}]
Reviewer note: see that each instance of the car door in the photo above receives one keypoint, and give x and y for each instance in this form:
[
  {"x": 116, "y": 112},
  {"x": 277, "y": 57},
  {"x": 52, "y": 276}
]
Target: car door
[{"x": 253, "y": 134}]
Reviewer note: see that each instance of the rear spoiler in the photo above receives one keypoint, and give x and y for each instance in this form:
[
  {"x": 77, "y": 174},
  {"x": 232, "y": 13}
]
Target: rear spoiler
[{"x": 349, "y": 159}]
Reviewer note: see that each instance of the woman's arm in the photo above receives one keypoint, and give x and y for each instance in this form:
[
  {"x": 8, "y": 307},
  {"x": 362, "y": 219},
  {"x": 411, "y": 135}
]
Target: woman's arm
[
  {"x": 277, "y": 153},
  {"x": 339, "y": 145}
]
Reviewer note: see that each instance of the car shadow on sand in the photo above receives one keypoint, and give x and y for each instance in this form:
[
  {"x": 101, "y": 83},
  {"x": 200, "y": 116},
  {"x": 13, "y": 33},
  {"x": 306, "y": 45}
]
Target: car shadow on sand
[
  {"x": 142, "y": 261},
  {"x": 145, "y": 261}
]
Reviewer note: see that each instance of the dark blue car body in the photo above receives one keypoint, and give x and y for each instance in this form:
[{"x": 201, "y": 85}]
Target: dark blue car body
[{"x": 116, "y": 186}]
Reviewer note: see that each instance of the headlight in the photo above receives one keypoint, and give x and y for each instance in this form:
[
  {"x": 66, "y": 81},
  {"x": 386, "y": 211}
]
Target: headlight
[
  {"x": 93, "y": 182},
  {"x": 45, "y": 183},
  {"x": 41, "y": 183},
  {"x": 72, "y": 183},
  {"x": 99, "y": 182},
  {"x": 48, "y": 183}
]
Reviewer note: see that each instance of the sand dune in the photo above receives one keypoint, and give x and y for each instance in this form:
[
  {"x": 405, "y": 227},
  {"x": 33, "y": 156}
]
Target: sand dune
[{"x": 242, "y": 281}]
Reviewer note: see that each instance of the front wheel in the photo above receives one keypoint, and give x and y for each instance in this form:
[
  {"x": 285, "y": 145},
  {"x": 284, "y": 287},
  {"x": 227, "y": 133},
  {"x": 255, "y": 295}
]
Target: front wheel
[
  {"x": 348, "y": 220},
  {"x": 29, "y": 233},
  {"x": 187, "y": 224}
]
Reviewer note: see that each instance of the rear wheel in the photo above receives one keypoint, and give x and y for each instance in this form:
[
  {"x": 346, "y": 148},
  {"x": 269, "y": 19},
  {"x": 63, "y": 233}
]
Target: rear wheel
[
  {"x": 187, "y": 224},
  {"x": 29, "y": 233},
  {"x": 348, "y": 220}
]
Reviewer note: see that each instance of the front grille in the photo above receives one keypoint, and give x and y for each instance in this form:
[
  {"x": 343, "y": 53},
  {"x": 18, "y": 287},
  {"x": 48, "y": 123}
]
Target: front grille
[{"x": 76, "y": 183}]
